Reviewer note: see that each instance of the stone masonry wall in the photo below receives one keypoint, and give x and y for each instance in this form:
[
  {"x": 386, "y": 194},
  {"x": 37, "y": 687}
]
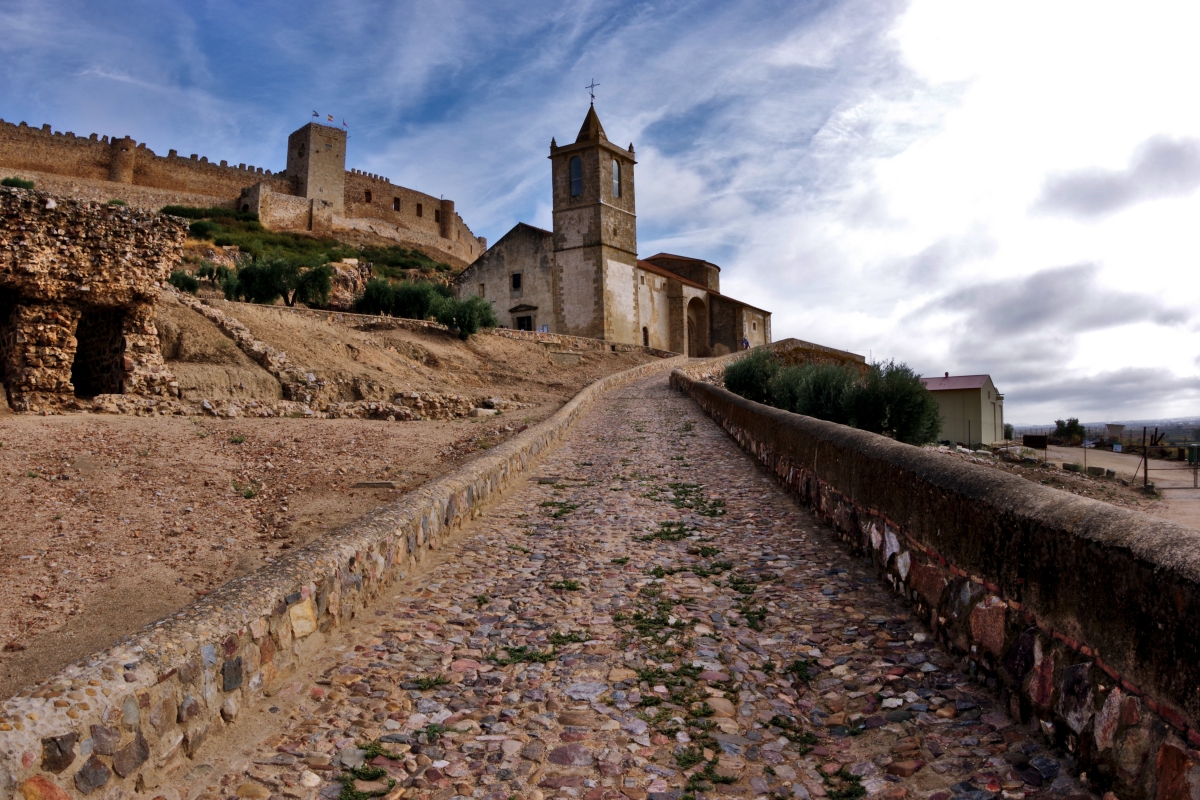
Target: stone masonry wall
[
  {"x": 127, "y": 718},
  {"x": 65, "y": 260},
  {"x": 1084, "y": 617}
]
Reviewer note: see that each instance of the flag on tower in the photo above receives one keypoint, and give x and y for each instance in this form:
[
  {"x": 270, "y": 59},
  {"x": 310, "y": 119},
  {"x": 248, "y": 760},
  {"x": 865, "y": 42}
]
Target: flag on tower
[
  {"x": 330, "y": 117},
  {"x": 344, "y": 125},
  {"x": 315, "y": 114}
]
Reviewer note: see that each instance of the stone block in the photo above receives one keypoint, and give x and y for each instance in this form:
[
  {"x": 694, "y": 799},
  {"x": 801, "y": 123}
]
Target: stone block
[
  {"x": 1075, "y": 696},
  {"x": 988, "y": 624},
  {"x": 128, "y": 758},
  {"x": 92, "y": 775},
  {"x": 105, "y": 739},
  {"x": 58, "y": 752},
  {"x": 41, "y": 788},
  {"x": 231, "y": 674},
  {"x": 303, "y": 616}
]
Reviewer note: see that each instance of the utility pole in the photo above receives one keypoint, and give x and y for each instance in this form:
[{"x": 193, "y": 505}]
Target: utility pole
[{"x": 1145, "y": 462}]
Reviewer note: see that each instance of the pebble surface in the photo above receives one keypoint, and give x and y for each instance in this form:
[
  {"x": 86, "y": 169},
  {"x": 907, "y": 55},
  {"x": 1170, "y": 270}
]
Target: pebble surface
[{"x": 650, "y": 616}]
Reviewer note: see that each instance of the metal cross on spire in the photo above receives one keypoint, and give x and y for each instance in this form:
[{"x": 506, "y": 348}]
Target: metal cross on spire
[{"x": 592, "y": 89}]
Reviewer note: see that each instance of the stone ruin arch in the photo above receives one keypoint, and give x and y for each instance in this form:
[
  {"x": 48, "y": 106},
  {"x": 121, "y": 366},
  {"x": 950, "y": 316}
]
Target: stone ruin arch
[{"x": 78, "y": 281}]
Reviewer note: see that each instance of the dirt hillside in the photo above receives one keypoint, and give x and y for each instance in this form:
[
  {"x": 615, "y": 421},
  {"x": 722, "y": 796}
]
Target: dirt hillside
[{"x": 115, "y": 521}]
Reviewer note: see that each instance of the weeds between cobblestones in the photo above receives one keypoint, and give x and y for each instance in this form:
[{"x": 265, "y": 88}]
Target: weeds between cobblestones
[{"x": 615, "y": 657}]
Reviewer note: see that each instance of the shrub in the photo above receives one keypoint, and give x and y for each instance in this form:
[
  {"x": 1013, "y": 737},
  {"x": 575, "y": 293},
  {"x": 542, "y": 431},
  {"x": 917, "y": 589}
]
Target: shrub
[
  {"x": 17, "y": 183},
  {"x": 203, "y": 229},
  {"x": 270, "y": 277},
  {"x": 889, "y": 399},
  {"x": 892, "y": 400},
  {"x": 751, "y": 376},
  {"x": 184, "y": 282},
  {"x": 1008, "y": 431},
  {"x": 408, "y": 299},
  {"x": 215, "y": 274},
  {"x": 815, "y": 390},
  {"x": 116, "y": 201},
  {"x": 466, "y": 316},
  {"x": 1068, "y": 431},
  {"x": 212, "y": 212}
]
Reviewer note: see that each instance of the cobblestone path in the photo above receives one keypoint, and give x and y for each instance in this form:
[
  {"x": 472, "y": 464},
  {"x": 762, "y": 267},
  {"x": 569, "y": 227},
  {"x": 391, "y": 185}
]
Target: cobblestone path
[{"x": 651, "y": 617}]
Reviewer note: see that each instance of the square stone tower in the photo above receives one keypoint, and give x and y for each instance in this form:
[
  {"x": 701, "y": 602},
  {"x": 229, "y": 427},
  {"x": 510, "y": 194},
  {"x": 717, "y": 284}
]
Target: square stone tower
[
  {"x": 595, "y": 237},
  {"x": 316, "y": 159}
]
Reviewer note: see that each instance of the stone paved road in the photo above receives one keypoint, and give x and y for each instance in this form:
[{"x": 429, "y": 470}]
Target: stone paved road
[{"x": 652, "y": 617}]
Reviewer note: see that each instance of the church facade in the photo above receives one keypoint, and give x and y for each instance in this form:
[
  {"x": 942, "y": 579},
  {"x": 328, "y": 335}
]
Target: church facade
[{"x": 584, "y": 278}]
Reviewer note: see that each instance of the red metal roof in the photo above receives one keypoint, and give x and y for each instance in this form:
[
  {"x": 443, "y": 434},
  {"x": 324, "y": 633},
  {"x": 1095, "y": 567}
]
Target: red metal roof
[{"x": 955, "y": 382}]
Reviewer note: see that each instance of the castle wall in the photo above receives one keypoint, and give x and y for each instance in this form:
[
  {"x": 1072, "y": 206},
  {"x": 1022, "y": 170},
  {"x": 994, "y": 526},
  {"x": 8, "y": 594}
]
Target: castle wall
[
  {"x": 98, "y": 159},
  {"x": 101, "y": 169},
  {"x": 418, "y": 212}
]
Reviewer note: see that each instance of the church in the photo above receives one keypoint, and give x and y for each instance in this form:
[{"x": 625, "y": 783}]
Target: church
[{"x": 585, "y": 277}]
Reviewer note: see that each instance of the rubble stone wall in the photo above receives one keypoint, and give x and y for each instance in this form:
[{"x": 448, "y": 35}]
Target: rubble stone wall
[
  {"x": 127, "y": 718},
  {"x": 65, "y": 261},
  {"x": 1082, "y": 616}
]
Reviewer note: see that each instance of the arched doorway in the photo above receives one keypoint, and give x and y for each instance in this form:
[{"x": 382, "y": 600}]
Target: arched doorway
[
  {"x": 645, "y": 336},
  {"x": 697, "y": 328}
]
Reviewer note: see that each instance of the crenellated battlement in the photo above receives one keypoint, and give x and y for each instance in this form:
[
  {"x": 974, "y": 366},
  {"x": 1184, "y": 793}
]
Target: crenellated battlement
[{"x": 315, "y": 191}]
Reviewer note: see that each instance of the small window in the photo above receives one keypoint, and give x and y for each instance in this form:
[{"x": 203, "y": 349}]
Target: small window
[
  {"x": 525, "y": 323},
  {"x": 437, "y": 215},
  {"x": 482, "y": 293},
  {"x": 395, "y": 204},
  {"x": 616, "y": 178},
  {"x": 645, "y": 337},
  {"x": 368, "y": 195},
  {"x": 576, "y": 176},
  {"x": 516, "y": 281},
  {"x": 753, "y": 326},
  {"x": 420, "y": 210},
  {"x": 642, "y": 279},
  {"x": 300, "y": 152}
]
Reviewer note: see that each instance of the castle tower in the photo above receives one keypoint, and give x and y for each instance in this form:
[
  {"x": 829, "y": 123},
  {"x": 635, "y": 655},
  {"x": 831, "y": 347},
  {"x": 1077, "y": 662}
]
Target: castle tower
[
  {"x": 316, "y": 160},
  {"x": 595, "y": 236},
  {"x": 124, "y": 156}
]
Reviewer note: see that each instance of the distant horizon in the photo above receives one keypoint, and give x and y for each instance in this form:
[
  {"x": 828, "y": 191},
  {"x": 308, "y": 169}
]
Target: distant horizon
[{"x": 940, "y": 183}]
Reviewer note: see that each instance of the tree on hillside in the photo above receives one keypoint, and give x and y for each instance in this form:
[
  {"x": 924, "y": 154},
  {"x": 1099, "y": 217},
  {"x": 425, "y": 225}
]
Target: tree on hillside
[
  {"x": 892, "y": 400},
  {"x": 293, "y": 277}
]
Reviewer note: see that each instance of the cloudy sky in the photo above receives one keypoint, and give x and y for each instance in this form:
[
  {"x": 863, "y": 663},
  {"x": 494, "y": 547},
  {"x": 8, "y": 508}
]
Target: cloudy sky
[{"x": 1009, "y": 188}]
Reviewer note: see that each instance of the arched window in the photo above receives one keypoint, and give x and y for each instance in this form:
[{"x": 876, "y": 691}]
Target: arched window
[
  {"x": 645, "y": 336},
  {"x": 616, "y": 178},
  {"x": 576, "y": 176}
]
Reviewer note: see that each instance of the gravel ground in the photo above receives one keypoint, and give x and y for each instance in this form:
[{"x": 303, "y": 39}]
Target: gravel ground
[
  {"x": 113, "y": 522},
  {"x": 651, "y": 617}
]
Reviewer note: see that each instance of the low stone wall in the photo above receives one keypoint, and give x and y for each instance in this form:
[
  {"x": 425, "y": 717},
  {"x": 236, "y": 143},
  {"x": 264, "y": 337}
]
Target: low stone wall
[
  {"x": 129, "y": 717},
  {"x": 1082, "y": 616}
]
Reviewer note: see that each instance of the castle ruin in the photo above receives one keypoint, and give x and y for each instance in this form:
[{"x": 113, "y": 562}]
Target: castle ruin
[{"x": 78, "y": 281}]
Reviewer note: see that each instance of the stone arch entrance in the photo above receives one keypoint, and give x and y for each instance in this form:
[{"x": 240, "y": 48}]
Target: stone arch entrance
[
  {"x": 697, "y": 328},
  {"x": 99, "y": 363}
]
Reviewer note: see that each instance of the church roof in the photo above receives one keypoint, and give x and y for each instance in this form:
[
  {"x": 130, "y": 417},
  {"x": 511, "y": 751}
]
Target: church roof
[
  {"x": 668, "y": 257},
  {"x": 592, "y": 129},
  {"x": 650, "y": 266}
]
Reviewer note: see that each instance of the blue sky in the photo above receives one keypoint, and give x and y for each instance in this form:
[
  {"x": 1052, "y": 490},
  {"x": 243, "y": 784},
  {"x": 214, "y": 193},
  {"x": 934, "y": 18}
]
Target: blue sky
[{"x": 966, "y": 187}]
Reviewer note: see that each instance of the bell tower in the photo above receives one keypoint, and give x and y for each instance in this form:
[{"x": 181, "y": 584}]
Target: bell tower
[{"x": 595, "y": 236}]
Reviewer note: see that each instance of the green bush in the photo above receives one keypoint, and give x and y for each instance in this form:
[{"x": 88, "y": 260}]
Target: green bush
[
  {"x": 274, "y": 275},
  {"x": 815, "y": 390},
  {"x": 1008, "y": 431},
  {"x": 751, "y": 376},
  {"x": 184, "y": 282},
  {"x": 892, "y": 400},
  {"x": 203, "y": 229},
  {"x": 408, "y": 299},
  {"x": 212, "y": 212},
  {"x": 17, "y": 183},
  {"x": 889, "y": 399},
  {"x": 216, "y": 274},
  {"x": 466, "y": 316},
  {"x": 116, "y": 201},
  {"x": 1068, "y": 432}
]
